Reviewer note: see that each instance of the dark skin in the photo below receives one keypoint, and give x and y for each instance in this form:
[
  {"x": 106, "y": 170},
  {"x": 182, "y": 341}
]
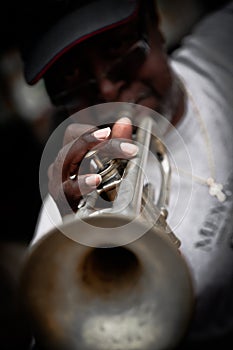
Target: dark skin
[
  {"x": 153, "y": 85},
  {"x": 78, "y": 140}
]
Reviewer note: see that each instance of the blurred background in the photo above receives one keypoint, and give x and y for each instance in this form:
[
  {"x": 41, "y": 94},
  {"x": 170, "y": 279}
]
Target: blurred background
[{"x": 26, "y": 120}]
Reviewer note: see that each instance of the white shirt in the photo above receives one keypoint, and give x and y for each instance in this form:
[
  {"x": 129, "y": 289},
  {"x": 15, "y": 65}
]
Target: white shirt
[{"x": 204, "y": 63}]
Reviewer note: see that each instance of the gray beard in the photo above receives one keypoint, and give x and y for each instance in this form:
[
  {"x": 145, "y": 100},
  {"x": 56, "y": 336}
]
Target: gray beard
[{"x": 170, "y": 102}]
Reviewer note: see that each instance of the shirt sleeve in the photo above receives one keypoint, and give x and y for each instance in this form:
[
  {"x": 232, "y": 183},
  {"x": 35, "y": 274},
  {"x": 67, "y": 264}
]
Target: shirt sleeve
[{"x": 49, "y": 218}]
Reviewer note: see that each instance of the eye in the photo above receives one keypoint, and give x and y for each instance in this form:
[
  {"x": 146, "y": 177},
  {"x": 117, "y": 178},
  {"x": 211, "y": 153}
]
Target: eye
[
  {"x": 118, "y": 46},
  {"x": 76, "y": 74},
  {"x": 73, "y": 74}
]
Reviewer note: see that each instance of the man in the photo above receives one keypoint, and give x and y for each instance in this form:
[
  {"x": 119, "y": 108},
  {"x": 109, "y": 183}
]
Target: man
[
  {"x": 118, "y": 56},
  {"x": 134, "y": 38}
]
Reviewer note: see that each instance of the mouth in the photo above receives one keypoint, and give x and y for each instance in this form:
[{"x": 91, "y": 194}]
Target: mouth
[{"x": 143, "y": 96}]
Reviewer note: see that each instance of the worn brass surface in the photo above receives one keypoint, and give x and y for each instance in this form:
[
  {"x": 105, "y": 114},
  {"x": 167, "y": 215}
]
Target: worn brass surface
[{"x": 138, "y": 296}]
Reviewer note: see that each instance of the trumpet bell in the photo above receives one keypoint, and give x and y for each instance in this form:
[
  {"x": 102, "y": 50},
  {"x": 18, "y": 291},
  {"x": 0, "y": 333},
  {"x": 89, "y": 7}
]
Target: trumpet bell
[{"x": 137, "y": 296}]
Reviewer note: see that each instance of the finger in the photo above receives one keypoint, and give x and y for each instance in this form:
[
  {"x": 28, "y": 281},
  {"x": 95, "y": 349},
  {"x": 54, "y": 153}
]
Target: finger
[
  {"x": 116, "y": 148},
  {"x": 73, "y": 131},
  {"x": 122, "y": 129},
  {"x": 50, "y": 171},
  {"x": 77, "y": 186},
  {"x": 80, "y": 147}
]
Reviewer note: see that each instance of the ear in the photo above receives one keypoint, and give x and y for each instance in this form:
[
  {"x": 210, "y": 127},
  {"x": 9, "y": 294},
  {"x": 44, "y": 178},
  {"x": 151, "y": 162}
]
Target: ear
[
  {"x": 157, "y": 20},
  {"x": 152, "y": 10}
]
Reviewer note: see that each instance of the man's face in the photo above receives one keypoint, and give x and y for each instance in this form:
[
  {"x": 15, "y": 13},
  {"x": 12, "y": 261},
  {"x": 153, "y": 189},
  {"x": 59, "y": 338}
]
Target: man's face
[{"x": 124, "y": 64}]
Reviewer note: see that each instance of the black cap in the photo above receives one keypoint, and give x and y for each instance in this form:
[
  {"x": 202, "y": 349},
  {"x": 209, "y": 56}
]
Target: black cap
[{"x": 61, "y": 24}]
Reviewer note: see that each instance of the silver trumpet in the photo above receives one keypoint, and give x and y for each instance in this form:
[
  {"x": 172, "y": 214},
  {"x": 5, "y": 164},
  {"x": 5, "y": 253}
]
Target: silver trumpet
[{"x": 116, "y": 279}]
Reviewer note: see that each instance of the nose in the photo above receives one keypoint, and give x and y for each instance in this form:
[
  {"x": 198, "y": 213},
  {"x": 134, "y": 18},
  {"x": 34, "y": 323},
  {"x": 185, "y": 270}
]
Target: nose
[{"x": 109, "y": 90}]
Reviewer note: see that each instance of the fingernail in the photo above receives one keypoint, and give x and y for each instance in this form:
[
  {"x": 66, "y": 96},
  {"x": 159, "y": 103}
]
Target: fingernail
[
  {"x": 129, "y": 148},
  {"x": 102, "y": 134},
  {"x": 124, "y": 120},
  {"x": 93, "y": 180}
]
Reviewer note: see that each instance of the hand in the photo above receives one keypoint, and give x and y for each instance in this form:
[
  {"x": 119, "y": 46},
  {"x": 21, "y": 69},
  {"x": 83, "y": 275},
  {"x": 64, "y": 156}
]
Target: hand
[{"x": 65, "y": 185}]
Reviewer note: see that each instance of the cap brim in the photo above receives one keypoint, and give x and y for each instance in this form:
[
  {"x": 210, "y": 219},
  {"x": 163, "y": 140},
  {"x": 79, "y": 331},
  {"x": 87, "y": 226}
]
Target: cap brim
[{"x": 72, "y": 29}]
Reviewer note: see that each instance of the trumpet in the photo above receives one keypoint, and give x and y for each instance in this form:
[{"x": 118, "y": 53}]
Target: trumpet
[{"x": 116, "y": 279}]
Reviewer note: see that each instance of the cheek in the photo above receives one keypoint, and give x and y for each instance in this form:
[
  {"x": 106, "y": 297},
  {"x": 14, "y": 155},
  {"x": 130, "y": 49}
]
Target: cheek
[{"x": 157, "y": 72}]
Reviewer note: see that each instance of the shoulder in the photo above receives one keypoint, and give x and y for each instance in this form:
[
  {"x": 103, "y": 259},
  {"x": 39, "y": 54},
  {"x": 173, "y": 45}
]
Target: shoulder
[
  {"x": 211, "y": 37},
  {"x": 216, "y": 28},
  {"x": 205, "y": 56}
]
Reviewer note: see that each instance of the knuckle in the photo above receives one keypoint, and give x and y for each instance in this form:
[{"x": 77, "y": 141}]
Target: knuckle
[
  {"x": 50, "y": 171},
  {"x": 71, "y": 133},
  {"x": 61, "y": 156}
]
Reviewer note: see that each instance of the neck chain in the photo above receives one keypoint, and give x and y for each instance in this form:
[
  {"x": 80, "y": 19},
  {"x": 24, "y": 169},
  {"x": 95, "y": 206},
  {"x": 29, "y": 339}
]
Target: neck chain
[{"x": 215, "y": 189}]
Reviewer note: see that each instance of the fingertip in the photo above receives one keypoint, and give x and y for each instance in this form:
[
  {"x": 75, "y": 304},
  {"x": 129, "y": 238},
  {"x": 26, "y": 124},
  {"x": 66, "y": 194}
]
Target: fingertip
[
  {"x": 122, "y": 128},
  {"x": 93, "y": 180},
  {"x": 129, "y": 149},
  {"x": 124, "y": 120},
  {"x": 102, "y": 134}
]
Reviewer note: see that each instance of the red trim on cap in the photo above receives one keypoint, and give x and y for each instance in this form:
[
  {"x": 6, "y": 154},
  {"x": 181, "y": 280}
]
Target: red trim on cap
[{"x": 78, "y": 41}]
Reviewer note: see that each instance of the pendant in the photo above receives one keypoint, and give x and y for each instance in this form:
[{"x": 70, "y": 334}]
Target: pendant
[{"x": 215, "y": 189}]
